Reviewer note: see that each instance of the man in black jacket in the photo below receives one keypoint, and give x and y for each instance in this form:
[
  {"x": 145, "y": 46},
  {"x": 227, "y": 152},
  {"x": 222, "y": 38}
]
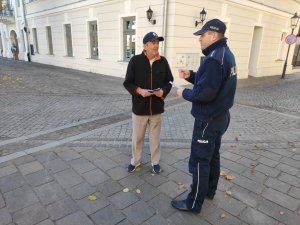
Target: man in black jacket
[{"x": 147, "y": 80}]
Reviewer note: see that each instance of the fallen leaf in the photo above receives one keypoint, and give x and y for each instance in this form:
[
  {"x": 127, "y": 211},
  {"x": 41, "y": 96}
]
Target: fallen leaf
[
  {"x": 138, "y": 169},
  {"x": 281, "y": 213},
  {"x": 223, "y": 215},
  {"x": 180, "y": 185},
  {"x": 291, "y": 143},
  {"x": 222, "y": 173},
  {"x": 229, "y": 177},
  {"x": 228, "y": 192},
  {"x": 126, "y": 190},
  {"x": 138, "y": 191},
  {"x": 92, "y": 197}
]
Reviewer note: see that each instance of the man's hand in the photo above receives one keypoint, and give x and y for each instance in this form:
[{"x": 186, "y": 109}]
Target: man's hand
[
  {"x": 159, "y": 93},
  {"x": 179, "y": 91},
  {"x": 144, "y": 92},
  {"x": 184, "y": 73}
]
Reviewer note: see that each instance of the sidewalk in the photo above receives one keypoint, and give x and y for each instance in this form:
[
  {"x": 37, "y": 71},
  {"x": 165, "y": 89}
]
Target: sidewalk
[{"x": 65, "y": 135}]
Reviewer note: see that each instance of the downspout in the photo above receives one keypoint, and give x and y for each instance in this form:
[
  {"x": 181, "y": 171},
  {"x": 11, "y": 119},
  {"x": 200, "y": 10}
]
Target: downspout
[
  {"x": 26, "y": 30},
  {"x": 164, "y": 27}
]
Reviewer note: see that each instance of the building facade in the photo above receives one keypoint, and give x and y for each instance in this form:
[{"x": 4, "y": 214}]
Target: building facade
[
  {"x": 8, "y": 35},
  {"x": 101, "y": 36}
]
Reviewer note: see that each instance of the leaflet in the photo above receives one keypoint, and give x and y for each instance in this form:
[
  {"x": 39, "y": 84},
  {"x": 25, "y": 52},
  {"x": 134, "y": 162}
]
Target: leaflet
[
  {"x": 175, "y": 85},
  {"x": 154, "y": 90}
]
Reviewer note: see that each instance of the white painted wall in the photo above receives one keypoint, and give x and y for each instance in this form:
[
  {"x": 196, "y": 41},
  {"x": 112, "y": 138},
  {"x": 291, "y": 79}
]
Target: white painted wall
[
  {"x": 181, "y": 47},
  {"x": 241, "y": 16}
]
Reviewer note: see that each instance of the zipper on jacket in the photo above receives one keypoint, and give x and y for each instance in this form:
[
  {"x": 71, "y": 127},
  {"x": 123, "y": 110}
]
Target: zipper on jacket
[
  {"x": 151, "y": 88},
  {"x": 151, "y": 64}
]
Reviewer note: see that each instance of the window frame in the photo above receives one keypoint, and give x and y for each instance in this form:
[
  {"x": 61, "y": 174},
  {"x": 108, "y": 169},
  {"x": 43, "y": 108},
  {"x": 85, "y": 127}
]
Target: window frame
[
  {"x": 93, "y": 33},
  {"x": 49, "y": 40},
  {"x": 281, "y": 46},
  {"x": 131, "y": 32},
  {"x": 68, "y": 40},
  {"x": 35, "y": 40}
]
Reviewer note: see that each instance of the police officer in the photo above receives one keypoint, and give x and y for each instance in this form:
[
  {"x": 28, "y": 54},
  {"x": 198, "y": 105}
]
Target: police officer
[{"x": 212, "y": 96}]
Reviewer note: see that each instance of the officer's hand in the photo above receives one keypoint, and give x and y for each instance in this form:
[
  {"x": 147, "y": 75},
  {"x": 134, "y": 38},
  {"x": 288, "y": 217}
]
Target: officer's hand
[
  {"x": 179, "y": 91},
  {"x": 184, "y": 73},
  {"x": 159, "y": 93},
  {"x": 144, "y": 92}
]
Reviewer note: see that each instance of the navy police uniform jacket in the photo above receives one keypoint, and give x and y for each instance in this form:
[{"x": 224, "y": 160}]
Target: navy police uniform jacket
[{"x": 214, "y": 83}]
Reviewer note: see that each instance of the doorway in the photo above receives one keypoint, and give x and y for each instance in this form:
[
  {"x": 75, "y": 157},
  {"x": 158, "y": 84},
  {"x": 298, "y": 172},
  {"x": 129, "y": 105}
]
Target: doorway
[
  {"x": 255, "y": 50},
  {"x": 14, "y": 45},
  {"x": 296, "y": 55},
  {"x": 1, "y": 46},
  {"x": 14, "y": 39}
]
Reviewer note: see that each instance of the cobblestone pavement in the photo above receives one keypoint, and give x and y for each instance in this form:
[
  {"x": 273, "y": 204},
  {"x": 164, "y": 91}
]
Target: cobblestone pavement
[{"x": 65, "y": 135}]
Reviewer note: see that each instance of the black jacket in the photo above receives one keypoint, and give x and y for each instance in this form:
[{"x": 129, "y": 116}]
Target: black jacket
[{"x": 140, "y": 74}]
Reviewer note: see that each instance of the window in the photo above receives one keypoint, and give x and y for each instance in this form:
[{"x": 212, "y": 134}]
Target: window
[
  {"x": 94, "y": 40},
  {"x": 1, "y": 46},
  {"x": 35, "y": 40},
  {"x": 129, "y": 38},
  {"x": 49, "y": 39},
  {"x": 68, "y": 39},
  {"x": 23, "y": 41},
  {"x": 282, "y": 44}
]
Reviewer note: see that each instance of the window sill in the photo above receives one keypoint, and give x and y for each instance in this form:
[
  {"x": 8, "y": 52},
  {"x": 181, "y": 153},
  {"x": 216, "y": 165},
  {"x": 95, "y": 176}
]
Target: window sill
[
  {"x": 93, "y": 59},
  {"x": 122, "y": 61},
  {"x": 67, "y": 56},
  {"x": 279, "y": 60}
]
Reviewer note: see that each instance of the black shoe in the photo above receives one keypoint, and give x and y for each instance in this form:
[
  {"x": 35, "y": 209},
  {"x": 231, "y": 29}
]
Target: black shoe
[
  {"x": 181, "y": 205},
  {"x": 208, "y": 197}
]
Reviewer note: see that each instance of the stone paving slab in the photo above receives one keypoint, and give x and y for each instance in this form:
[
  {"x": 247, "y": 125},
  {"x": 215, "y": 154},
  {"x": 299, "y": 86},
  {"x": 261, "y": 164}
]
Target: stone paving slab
[{"x": 51, "y": 185}]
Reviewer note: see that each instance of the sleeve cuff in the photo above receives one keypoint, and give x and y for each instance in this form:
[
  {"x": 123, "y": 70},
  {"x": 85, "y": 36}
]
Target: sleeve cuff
[{"x": 138, "y": 90}]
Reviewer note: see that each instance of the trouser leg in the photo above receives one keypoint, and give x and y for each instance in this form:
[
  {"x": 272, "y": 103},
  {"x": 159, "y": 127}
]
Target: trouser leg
[
  {"x": 215, "y": 161},
  {"x": 214, "y": 169},
  {"x": 154, "y": 136},
  {"x": 139, "y": 126},
  {"x": 199, "y": 166},
  {"x": 204, "y": 163}
]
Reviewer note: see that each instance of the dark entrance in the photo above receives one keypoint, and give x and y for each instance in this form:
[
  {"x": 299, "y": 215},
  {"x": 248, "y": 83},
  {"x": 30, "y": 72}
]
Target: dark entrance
[{"x": 296, "y": 56}]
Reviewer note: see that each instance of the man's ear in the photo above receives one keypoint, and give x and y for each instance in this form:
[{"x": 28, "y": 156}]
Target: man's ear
[{"x": 215, "y": 36}]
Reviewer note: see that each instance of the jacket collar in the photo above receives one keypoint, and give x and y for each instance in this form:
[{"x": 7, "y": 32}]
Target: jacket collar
[
  {"x": 220, "y": 43},
  {"x": 156, "y": 57}
]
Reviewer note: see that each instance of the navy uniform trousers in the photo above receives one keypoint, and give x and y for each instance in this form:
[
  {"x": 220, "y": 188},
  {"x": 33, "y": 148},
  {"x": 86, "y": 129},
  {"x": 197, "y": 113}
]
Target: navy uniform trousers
[{"x": 204, "y": 162}]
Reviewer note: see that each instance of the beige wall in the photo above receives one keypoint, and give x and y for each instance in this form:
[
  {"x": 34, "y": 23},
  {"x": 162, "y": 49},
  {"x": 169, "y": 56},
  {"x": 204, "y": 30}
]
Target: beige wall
[{"x": 241, "y": 20}]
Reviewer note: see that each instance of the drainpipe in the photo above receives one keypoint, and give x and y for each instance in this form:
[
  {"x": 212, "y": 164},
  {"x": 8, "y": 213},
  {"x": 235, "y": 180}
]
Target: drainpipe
[
  {"x": 164, "y": 27},
  {"x": 26, "y": 30}
]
